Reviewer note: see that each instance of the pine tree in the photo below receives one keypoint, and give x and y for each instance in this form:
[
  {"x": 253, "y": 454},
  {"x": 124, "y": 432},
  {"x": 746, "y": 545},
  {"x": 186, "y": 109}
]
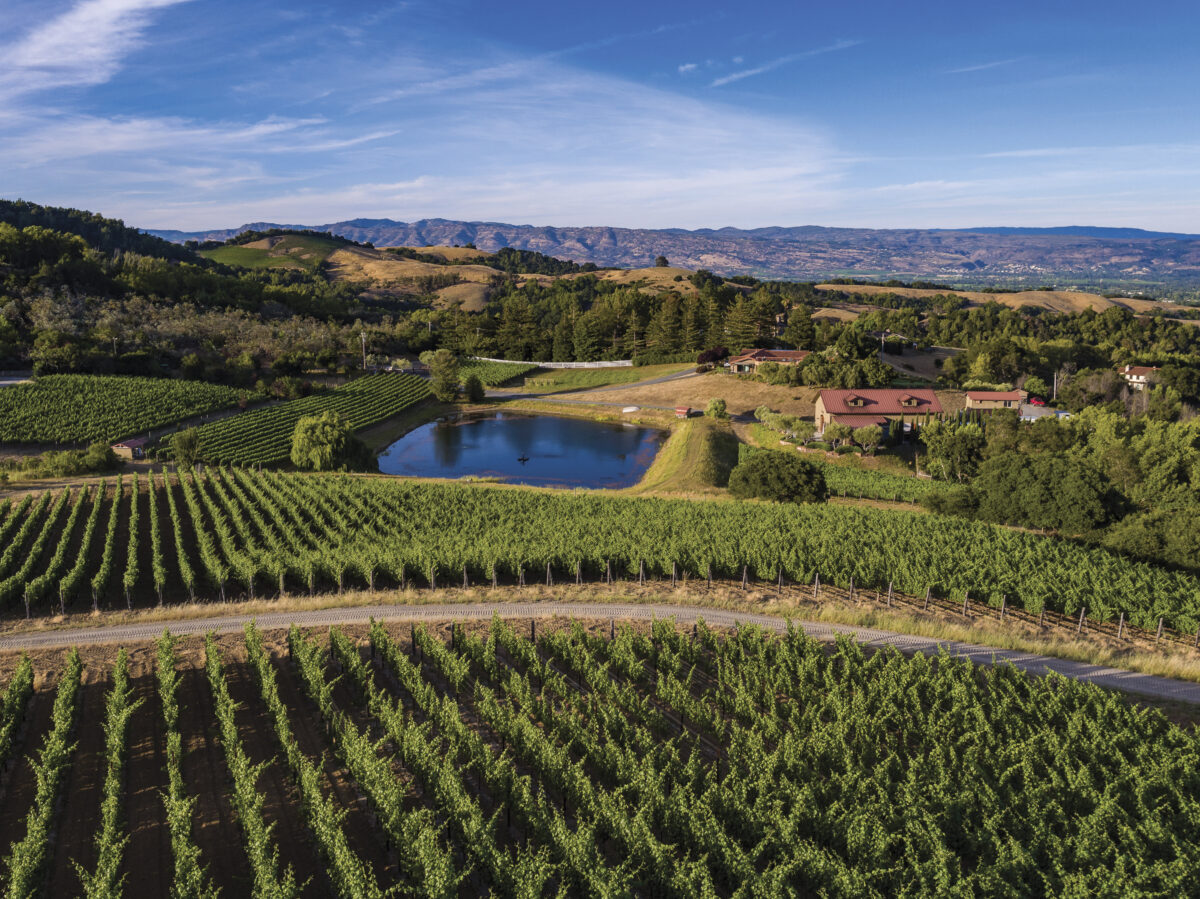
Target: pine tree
[
  {"x": 633, "y": 342},
  {"x": 564, "y": 340},
  {"x": 741, "y": 329},
  {"x": 663, "y": 333},
  {"x": 587, "y": 341},
  {"x": 799, "y": 331},
  {"x": 714, "y": 335},
  {"x": 691, "y": 325}
]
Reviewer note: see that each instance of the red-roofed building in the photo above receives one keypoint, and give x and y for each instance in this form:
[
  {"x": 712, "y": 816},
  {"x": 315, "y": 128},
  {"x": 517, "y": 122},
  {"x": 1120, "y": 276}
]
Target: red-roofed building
[
  {"x": 996, "y": 399},
  {"x": 130, "y": 449},
  {"x": 1138, "y": 377},
  {"x": 748, "y": 361},
  {"x": 857, "y": 408}
]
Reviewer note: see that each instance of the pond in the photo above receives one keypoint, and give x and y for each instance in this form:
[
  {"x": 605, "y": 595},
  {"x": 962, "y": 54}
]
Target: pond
[{"x": 542, "y": 450}]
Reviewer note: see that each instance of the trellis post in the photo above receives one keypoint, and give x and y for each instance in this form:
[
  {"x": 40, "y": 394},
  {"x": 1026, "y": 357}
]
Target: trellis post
[
  {"x": 779, "y": 586},
  {"x": 1003, "y": 603},
  {"x": 673, "y": 574},
  {"x": 641, "y": 571},
  {"x": 1121, "y": 626},
  {"x": 708, "y": 569},
  {"x": 466, "y": 583},
  {"x": 851, "y": 588},
  {"x": 889, "y": 594},
  {"x": 578, "y": 573},
  {"x": 549, "y": 576},
  {"x": 493, "y": 575},
  {"x": 817, "y": 586},
  {"x": 1079, "y": 627},
  {"x": 1160, "y": 630},
  {"x": 745, "y": 569},
  {"x": 1042, "y": 618},
  {"x": 608, "y": 571},
  {"x": 928, "y": 592},
  {"x": 966, "y": 603},
  {"x": 521, "y": 574}
]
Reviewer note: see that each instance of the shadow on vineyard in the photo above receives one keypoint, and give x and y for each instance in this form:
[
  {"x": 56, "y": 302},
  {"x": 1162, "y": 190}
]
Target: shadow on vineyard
[{"x": 485, "y": 757}]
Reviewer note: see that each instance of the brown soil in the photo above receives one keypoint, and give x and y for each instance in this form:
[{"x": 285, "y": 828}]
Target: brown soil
[
  {"x": 148, "y": 863},
  {"x": 282, "y": 807},
  {"x": 305, "y": 720},
  {"x": 78, "y": 819},
  {"x": 214, "y": 829},
  {"x": 18, "y": 785}
]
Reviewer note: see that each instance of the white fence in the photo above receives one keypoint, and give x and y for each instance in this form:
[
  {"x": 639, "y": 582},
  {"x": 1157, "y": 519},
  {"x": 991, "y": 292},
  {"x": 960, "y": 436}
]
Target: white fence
[{"x": 614, "y": 363}]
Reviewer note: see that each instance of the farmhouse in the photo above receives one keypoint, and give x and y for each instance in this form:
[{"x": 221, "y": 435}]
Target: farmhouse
[
  {"x": 748, "y": 361},
  {"x": 858, "y": 408},
  {"x": 1138, "y": 377},
  {"x": 130, "y": 449},
  {"x": 996, "y": 399}
]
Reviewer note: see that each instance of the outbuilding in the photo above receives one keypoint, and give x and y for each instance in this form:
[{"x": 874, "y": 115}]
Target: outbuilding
[
  {"x": 130, "y": 449},
  {"x": 996, "y": 399}
]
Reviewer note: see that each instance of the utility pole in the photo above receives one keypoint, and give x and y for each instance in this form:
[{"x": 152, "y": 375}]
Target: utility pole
[{"x": 363, "y": 335}]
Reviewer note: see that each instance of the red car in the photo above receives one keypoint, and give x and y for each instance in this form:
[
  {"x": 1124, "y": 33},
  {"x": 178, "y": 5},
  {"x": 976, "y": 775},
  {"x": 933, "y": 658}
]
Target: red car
[{"x": 1035, "y": 401}]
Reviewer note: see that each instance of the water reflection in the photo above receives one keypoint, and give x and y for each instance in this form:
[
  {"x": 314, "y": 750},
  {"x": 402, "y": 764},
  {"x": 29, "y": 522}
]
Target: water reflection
[{"x": 526, "y": 449}]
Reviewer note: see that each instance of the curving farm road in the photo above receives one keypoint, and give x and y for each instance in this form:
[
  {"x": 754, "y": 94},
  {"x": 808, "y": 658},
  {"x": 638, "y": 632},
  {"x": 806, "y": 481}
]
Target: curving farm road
[{"x": 1111, "y": 678}]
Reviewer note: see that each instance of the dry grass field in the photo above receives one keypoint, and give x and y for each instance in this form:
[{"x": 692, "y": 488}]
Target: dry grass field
[
  {"x": 450, "y": 254},
  {"x": 1052, "y": 300},
  {"x": 741, "y": 395}
]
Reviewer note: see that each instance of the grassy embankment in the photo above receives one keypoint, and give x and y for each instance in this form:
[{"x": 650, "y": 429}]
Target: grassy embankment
[{"x": 695, "y": 461}]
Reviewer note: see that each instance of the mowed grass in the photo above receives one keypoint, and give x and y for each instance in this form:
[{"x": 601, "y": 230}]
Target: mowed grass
[
  {"x": 250, "y": 257},
  {"x": 568, "y": 379},
  {"x": 696, "y": 459},
  {"x": 291, "y": 251}
]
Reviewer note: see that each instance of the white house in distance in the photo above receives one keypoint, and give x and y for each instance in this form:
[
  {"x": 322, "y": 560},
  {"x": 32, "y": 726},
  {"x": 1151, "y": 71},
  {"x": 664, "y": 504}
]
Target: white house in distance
[{"x": 1138, "y": 377}]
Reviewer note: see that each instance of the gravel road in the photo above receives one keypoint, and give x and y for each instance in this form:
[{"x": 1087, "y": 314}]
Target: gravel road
[{"x": 1112, "y": 678}]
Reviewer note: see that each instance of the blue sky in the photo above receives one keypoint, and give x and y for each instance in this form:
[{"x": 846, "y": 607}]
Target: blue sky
[{"x": 209, "y": 113}]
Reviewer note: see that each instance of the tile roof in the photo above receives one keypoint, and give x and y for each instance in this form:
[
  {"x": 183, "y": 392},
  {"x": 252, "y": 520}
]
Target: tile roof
[{"x": 879, "y": 402}]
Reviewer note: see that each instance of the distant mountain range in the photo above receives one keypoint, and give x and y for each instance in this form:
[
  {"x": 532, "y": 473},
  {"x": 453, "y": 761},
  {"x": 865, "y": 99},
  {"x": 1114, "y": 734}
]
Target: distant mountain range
[{"x": 997, "y": 256}]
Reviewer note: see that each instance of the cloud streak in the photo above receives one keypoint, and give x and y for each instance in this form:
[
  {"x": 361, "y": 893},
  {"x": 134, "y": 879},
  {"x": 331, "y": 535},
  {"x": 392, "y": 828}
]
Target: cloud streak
[
  {"x": 782, "y": 61},
  {"x": 81, "y": 47},
  {"x": 984, "y": 65}
]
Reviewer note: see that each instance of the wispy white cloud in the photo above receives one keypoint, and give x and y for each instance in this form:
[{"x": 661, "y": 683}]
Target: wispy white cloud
[
  {"x": 688, "y": 67},
  {"x": 85, "y": 136},
  {"x": 782, "y": 61},
  {"x": 82, "y": 46},
  {"x": 995, "y": 64}
]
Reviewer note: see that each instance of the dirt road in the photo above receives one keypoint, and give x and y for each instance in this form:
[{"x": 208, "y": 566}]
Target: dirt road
[{"x": 130, "y": 634}]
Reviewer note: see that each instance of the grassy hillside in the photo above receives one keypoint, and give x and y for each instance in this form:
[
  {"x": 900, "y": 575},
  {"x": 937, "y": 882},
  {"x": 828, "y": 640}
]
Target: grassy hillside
[
  {"x": 303, "y": 252},
  {"x": 1066, "y": 301}
]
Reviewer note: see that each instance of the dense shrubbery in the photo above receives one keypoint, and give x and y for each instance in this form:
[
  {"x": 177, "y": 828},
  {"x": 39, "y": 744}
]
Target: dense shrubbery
[
  {"x": 96, "y": 459},
  {"x": 782, "y": 477}
]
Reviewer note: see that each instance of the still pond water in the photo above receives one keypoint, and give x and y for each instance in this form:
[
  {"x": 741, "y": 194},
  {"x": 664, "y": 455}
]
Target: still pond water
[{"x": 526, "y": 449}]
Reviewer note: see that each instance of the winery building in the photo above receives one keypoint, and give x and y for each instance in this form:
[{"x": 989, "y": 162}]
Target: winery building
[{"x": 858, "y": 408}]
